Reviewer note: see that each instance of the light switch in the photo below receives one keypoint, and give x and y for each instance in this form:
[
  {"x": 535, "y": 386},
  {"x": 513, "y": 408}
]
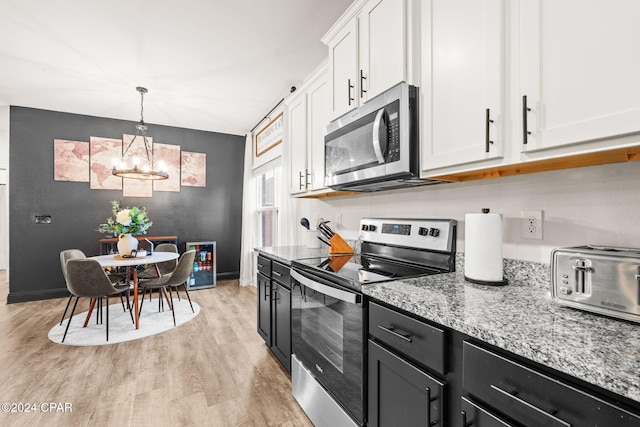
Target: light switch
[{"x": 43, "y": 219}]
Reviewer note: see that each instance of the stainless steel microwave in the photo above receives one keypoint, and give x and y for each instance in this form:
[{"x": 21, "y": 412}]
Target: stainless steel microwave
[{"x": 376, "y": 146}]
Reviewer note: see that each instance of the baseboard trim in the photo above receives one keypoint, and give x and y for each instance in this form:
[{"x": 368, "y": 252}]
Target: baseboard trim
[{"x": 17, "y": 297}]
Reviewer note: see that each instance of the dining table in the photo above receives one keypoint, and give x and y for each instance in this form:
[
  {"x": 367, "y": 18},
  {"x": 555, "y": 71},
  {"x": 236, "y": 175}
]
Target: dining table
[{"x": 115, "y": 261}]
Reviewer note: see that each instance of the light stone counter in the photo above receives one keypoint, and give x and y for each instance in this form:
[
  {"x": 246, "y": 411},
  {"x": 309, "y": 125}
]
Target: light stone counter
[{"x": 523, "y": 319}]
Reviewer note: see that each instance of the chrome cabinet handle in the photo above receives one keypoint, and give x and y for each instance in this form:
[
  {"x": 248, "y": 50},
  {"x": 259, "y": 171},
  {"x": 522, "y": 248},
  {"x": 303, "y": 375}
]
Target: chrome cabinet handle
[
  {"x": 393, "y": 332},
  {"x": 362, "y": 79},
  {"x": 276, "y": 273},
  {"x": 554, "y": 419},
  {"x": 300, "y": 180},
  {"x": 525, "y": 130},
  {"x": 349, "y": 87},
  {"x": 488, "y": 122},
  {"x": 306, "y": 181}
]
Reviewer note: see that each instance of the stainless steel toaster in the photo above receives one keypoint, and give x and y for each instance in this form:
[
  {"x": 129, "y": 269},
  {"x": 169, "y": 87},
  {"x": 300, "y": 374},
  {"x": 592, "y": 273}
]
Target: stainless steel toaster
[{"x": 600, "y": 279}]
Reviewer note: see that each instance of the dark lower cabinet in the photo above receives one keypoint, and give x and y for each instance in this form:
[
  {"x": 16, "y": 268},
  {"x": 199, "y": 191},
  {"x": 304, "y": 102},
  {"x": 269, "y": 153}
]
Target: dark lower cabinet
[
  {"x": 264, "y": 299},
  {"x": 530, "y": 397},
  {"x": 264, "y": 308},
  {"x": 411, "y": 359},
  {"x": 401, "y": 394},
  {"x": 274, "y": 308},
  {"x": 281, "y": 323}
]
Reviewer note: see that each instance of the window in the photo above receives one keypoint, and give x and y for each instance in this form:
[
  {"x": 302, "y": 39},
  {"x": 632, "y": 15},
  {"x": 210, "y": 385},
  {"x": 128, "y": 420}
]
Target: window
[{"x": 268, "y": 207}]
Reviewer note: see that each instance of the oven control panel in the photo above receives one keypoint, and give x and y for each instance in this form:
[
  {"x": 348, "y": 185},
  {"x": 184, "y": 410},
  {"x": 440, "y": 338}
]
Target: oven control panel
[{"x": 431, "y": 234}]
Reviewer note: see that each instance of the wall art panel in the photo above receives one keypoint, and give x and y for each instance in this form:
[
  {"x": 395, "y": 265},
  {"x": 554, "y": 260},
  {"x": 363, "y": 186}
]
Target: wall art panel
[
  {"x": 103, "y": 152},
  {"x": 70, "y": 160},
  {"x": 170, "y": 155},
  {"x": 194, "y": 169}
]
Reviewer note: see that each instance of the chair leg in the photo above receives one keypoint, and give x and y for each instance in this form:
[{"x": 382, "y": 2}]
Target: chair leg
[
  {"x": 70, "y": 317},
  {"x": 189, "y": 298},
  {"x": 141, "y": 302},
  {"x": 122, "y": 301},
  {"x": 107, "y": 297},
  {"x": 65, "y": 309},
  {"x": 173, "y": 311},
  {"x": 126, "y": 293},
  {"x": 99, "y": 312}
]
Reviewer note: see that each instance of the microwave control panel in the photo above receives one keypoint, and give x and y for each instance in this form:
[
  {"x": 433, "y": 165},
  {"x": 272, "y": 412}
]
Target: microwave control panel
[{"x": 393, "y": 130}]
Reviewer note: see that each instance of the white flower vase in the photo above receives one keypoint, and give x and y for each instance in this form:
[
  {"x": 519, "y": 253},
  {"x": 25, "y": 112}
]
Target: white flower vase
[{"x": 126, "y": 244}]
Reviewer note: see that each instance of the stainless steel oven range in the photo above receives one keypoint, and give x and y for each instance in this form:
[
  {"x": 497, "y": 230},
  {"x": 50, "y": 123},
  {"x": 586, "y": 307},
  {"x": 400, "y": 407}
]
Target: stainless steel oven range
[{"x": 328, "y": 319}]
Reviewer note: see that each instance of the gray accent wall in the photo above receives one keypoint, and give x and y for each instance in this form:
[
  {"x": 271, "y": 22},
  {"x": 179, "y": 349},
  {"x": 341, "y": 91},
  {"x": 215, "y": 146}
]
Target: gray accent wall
[{"x": 206, "y": 213}]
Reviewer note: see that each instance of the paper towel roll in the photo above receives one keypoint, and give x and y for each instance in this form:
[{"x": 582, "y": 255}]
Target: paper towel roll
[{"x": 483, "y": 249}]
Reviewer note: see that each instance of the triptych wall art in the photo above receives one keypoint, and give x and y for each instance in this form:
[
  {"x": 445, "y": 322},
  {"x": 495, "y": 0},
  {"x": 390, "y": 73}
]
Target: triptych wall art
[{"x": 92, "y": 162}]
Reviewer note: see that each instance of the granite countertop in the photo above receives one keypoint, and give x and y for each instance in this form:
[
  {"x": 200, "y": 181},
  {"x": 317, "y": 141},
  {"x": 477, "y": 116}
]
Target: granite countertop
[{"x": 523, "y": 319}]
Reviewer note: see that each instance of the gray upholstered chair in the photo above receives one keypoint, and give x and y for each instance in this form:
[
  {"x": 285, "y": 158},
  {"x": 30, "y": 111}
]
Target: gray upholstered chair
[
  {"x": 65, "y": 256},
  {"x": 171, "y": 281},
  {"x": 68, "y": 254},
  {"x": 87, "y": 279},
  {"x": 165, "y": 267}
]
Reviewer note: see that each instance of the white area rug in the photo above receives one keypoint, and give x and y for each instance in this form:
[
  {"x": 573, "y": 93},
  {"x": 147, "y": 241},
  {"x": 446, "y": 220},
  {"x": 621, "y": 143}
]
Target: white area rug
[{"x": 121, "y": 328}]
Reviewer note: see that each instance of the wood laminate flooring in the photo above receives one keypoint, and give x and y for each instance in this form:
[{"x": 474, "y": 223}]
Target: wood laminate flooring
[{"x": 212, "y": 371}]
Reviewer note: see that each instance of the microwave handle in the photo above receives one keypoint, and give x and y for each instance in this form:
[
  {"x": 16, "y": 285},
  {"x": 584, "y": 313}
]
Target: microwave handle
[{"x": 377, "y": 143}]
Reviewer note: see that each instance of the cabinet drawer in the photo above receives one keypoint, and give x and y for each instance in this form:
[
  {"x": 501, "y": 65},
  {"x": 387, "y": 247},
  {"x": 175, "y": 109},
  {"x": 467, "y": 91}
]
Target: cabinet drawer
[
  {"x": 533, "y": 398},
  {"x": 421, "y": 342},
  {"x": 280, "y": 273},
  {"x": 264, "y": 265},
  {"x": 474, "y": 415}
]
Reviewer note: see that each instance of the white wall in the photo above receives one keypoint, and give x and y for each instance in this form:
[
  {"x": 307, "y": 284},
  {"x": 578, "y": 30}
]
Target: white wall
[{"x": 592, "y": 205}]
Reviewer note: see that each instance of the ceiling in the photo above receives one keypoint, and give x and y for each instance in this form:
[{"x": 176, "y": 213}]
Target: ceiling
[{"x": 213, "y": 65}]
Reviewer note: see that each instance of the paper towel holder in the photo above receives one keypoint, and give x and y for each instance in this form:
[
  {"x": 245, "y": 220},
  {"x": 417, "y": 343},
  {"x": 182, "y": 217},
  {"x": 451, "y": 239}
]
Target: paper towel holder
[{"x": 502, "y": 282}]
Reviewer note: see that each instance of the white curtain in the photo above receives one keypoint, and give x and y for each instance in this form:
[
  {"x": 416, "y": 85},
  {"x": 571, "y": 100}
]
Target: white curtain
[{"x": 247, "y": 275}]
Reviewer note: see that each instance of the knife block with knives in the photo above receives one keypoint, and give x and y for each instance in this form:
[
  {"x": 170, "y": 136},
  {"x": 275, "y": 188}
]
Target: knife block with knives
[{"x": 337, "y": 245}]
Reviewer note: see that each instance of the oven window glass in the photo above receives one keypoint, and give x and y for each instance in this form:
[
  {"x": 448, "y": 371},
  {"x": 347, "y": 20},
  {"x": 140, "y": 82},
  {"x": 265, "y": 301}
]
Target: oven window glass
[
  {"x": 327, "y": 338},
  {"x": 322, "y": 329}
]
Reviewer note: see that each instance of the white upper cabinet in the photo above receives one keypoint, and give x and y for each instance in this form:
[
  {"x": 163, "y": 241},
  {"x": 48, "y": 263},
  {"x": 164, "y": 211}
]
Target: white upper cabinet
[
  {"x": 297, "y": 136},
  {"x": 343, "y": 63},
  {"x": 579, "y": 70},
  {"x": 371, "y": 48},
  {"x": 309, "y": 111},
  {"x": 318, "y": 115},
  {"x": 382, "y": 53},
  {"x": 463, "y": 83}
]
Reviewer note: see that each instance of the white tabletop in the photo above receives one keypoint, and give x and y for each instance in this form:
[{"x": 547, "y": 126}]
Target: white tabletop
[{"x": 112, "y": 261}]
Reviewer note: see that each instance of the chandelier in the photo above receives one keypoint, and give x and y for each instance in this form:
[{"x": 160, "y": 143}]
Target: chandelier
[{"x": 142, "y": 168}]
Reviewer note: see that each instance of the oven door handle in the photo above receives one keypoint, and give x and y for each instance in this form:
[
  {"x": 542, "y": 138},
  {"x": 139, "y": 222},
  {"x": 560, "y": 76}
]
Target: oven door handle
[{"x": 345, "y": 296}]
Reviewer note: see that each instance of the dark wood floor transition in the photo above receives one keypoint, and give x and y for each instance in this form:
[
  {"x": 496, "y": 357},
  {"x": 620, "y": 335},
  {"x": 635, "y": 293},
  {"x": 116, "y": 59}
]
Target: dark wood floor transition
[{"x": 212, "y": 371}]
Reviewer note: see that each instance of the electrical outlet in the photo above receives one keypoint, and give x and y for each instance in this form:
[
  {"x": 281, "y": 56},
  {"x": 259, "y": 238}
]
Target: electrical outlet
[{"x": 532, "y": 225}]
